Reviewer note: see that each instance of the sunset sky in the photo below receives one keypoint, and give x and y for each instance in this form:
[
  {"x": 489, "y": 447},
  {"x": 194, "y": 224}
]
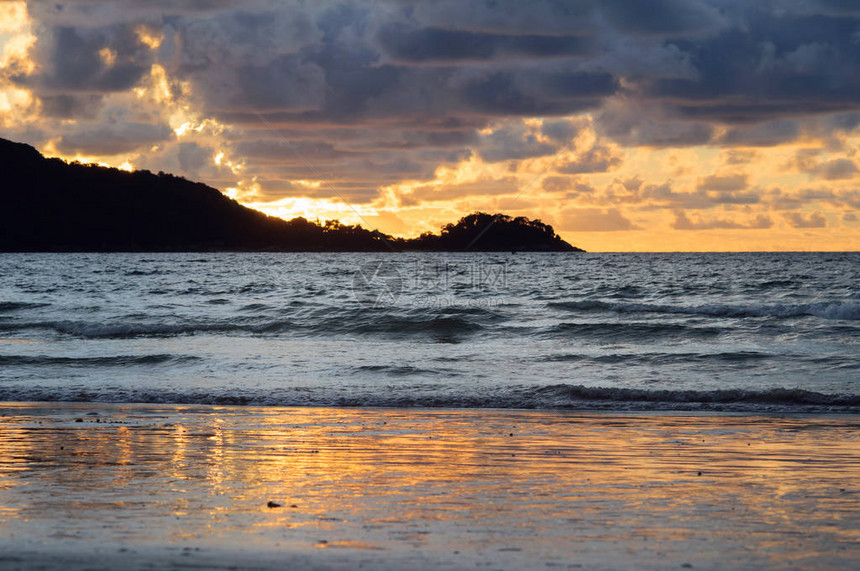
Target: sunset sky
[{"x": 652, "y": 125}]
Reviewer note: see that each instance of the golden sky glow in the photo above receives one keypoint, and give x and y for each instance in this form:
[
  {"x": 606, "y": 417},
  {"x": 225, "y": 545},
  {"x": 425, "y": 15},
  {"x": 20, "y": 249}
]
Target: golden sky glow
[{"x": 623, "y": 164}]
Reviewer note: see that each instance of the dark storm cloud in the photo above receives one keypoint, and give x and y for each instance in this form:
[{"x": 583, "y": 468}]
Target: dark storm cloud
[
  {"x": 285, "y": 83},
  {"x": 428, "y": 45},
  {"x": 767, "y": 134},
  {"x": 537, "y": 94},
  {"x": 113, "y": 139},
  {"x": 562, "y": 131},
  {"x": 192, "y": 157},
  {"x": 375, "y": 90},
  {"x": 634, "y": 126},
  {"x": 73, "y": 60},
  {"x": 662, "y": 17},
  {"x": 742, "y": 62},
  {"x": 768, "y": 64},
  {"x": 546, "y": 17},
  {"x": 633, "y": 122},
  {"x": 68, "y": 106},
  {"x": 513, "y": 141},
  {"x": 291, "y": 151}
]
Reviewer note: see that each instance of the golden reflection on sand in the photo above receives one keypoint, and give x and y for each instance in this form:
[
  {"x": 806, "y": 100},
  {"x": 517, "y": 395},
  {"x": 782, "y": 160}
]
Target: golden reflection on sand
[{"x": 727, "y": 488}]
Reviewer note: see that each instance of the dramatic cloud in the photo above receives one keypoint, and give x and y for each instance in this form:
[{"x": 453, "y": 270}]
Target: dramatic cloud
[
  {"x": 594, "y": 220},
  {"x": 723, "y": 183},
  {"x": 113, "y": 139},
  {"x": 591, "y": 114},
  {"x": 683, "y": 222},
  {"x": 813, "y": 220},
  {"x": 836, "y": 169}
]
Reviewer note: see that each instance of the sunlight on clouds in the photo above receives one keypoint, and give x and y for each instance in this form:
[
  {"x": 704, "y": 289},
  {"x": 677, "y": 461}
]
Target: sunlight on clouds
[
  {"x": 309, "y": 183},
  {"x": 120, "y": 162},
  {"x": 13, "y": 17},
  {"x": 706, "y": 198},
  {"x": 159, "y": 86},
  {"x": 12, "y": 100},
  {"x": 175, "y": 101},
  {"x": 468, "y": 172},
  {"x": 316, "y": 208},
  {"x": 150, "y": 38},
  {"x": 235, "y": 168},
  {"x": 108, "y": 56},
  {"x": 623, "y": 173},
  {"x": 17, "y": 105}
]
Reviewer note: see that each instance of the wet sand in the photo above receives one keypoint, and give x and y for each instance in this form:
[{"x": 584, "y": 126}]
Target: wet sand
[{"x": 150, "y": 486}]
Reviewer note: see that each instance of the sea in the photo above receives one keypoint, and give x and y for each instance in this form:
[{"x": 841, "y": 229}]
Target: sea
[{"x": 745, "y": 332}]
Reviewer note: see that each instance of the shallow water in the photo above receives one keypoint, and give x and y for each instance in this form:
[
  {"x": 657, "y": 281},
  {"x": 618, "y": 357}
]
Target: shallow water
[
  {"x": 107, "y": 486},
  {"x": 742, "y": 332}
]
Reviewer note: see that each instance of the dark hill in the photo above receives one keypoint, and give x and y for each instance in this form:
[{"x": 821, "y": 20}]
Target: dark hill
[
  {"x": 492, "y": 233},
  {"x": 49, "y": 205}
]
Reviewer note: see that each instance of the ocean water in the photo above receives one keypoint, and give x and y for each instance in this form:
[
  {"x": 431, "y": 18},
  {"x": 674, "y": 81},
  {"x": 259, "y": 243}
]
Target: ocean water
[{"x": 726, "y": 332}]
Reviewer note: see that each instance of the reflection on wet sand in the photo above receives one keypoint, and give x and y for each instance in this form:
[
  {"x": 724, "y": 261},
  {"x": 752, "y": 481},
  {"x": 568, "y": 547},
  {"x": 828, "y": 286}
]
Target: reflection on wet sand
[{"x": 509, "y": 488}]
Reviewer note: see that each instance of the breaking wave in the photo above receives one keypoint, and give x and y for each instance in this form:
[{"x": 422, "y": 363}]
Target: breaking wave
[
  {"x": 370, "y": 324},
  {"x": 109, "y": 361},
  {"x": 838, "y": 310},
  {"x": 7, "y": 306},
  {"x": 552, "y": 397}
]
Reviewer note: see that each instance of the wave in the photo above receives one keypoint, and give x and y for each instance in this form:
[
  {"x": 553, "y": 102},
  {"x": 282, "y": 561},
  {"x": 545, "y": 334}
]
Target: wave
[
  {"x": 551, "y": 397},
  {"x": 385, "y": 325},
  {"x": 724, "y": 357},
  {"x": 632, "y": 331},
  {"x": 837, "y": 310},
  {"x": 404, "y": 370},
  {"x": 120, "y": 330},
  {"x": 6, "y": 306},
  {"x": 111, "y": 361},
  {"x": 778, "y": 396},
  {"x": 123, "y": 330}
]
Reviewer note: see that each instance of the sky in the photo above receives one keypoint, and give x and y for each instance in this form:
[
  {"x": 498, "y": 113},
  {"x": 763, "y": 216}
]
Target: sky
[{"x": 628, "y": 125}]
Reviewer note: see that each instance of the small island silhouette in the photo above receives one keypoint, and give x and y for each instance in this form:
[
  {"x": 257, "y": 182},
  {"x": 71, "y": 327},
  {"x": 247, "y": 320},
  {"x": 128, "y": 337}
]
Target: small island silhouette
[{"x": 49, "y": 205}]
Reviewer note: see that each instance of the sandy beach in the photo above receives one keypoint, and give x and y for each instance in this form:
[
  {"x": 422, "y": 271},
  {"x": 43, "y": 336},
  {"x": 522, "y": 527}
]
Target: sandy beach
[{"x": 86, "y": 486}]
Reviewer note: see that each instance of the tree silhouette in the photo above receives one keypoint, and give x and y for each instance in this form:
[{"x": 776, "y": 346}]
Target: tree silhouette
[{"x": 50, "y": 205}]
